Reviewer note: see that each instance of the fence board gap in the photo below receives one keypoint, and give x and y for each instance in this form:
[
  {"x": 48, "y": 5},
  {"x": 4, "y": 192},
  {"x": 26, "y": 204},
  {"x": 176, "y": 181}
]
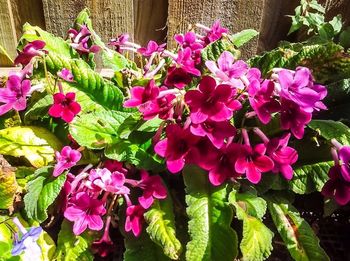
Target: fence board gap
[{"x": 8, "y": 38}]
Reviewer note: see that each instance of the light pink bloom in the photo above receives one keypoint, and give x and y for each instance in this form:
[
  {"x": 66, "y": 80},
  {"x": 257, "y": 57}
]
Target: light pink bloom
[
  {"x": 103, "y": 179},
  {"x": 66, "y": 159},
  {"x": 152, "y": 47},
  {"x": 66, "y": 75}
]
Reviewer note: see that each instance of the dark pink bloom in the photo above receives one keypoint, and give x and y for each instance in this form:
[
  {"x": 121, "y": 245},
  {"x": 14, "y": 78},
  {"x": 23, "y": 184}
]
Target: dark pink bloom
[
  {"x": 64, "y": 106},
  {"x": 253, "y": 162},
  {"x": 66, "y": 159},
  {"x": 29, "y": 51},
  {"x": 134, "y": 219},
  {"x": 185, "y": 61},
  {"x": 103, "y": 179},
  {"x": 189, "y": 39},
  {"x": 298, "y": 87},
  {"x": 81, "y": 40},
  {"x": 336, "y": 186},
  {"x": 114, "y": 165},
  {"x": 152, "y": 187},
  {"x": 175, "y": 147},
  {"x": 14, "y": 94},
  {"x": 140, "y": 95},
  {"x": 177, "y": 77},
  {"x": 294, "y": 118},
  {"x": 215, "y": 33},
  {"x": 282, "y": 155},
  {"x": 262, "y": 100},
  {"x": 162, "y": 106},
  {"x": 85, "y": 211},
  {"x": 210, "y": 102},
  {"x": 66, "y": 75},
  {"x": 119, "y": 41},
  {"x": 152, "y": 47},
  {"x": 227, "y": 69},
  {"x": 217, "y": 132},
  {"x": 344, "y": 156},
  {"x": 105, "y": 245}
]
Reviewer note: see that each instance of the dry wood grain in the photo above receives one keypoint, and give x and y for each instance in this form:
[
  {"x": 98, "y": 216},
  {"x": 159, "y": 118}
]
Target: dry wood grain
[
  {"x": 233, "y": 14},
  {"x": 8, "y": 38},
  {"x": 150, "y": 17}
]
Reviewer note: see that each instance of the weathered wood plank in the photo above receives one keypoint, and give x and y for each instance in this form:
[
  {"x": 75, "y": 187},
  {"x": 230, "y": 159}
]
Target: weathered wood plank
[
  {"x": 109, "y": 17},
  {"x": 30, "y": 11},
  {"x": 8, "y": 38},
  {"x": 236, "y": 15},
  {"x": 334, "y": 7},
  {"x": 150, "y": 18}
]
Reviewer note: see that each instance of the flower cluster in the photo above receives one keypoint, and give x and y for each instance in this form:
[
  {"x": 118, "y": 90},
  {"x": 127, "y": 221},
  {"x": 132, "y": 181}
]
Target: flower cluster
[
  {"x": 199, "y": 105},
  {"x": 81, "y": 42}
]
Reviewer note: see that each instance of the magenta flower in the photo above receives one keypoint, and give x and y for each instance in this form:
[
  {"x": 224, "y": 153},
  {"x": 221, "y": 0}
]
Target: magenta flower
[
  {"x": 134, "y": 219},
  {"x": 29, "y": 51},
  {"x": 119, "y": 41},
  {"x": 105, "y": 245},
  {"x": 162, "y": 106},
  {"x": 336, "y": 186},
  {"x": 298, "y": 87},
  {"x": 85, "y": 212},
  {"x": 262, "y": 100},
  {"x": 185, "y": 61},
  {"x": 177, "y": 77},
  {"x": 253, "y": 162},
  {"x": 282, "y": 155},
  {"x": 14, "y": 94},
  {"x": 294, "y": 118},
  {"x": 103, "y": 179},
  {"x": 114, "y": 165},
  {"x": 66, "y": 75},
  {"x": 152, "y": 188},
  {"x": 152, "y": 47},
  {"x": 81, "y": 40},
  {"x": 65, "y": 160},
  {"x": 215, "y": 33},
  {"x": 211, "y": 101},
  {"x": 141, "y": 95},
  {"x": 64, "y": 106},
  {"x": 227, "y": 69},
  {"x": 344, "y": 156},
  {"x": 189, "y": 39},
  {"x": 175, "y": 147},
  {"x": 217, "y": 132}
]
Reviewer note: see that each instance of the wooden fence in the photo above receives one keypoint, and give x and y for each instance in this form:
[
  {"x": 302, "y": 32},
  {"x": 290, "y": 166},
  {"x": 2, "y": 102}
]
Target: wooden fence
[{"x": 156, "y": 19}]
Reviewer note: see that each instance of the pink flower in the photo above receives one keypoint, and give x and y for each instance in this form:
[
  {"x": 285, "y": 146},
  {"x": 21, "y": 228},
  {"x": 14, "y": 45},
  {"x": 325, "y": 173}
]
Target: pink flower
[
  {"x": 211, "y": 101},
  {"x": 215, "y": 32},
  {"x": 141, "y": 95},
  {"x": 114, "y": 165},
  {"x": 65, "y": 160},
  {"x": 29, "y": 51},
  {"x": 81, "y": 40},
  {"x": 294, "y": 118},
  {"x": 252, "y": 162},
  {"x": 64, "y": 106},
  {"x": 227, "y": 68},
  {"x": 105, "y": 245},
  {"x": 177, "y": 77},
  {"x": 298, "y": 87},
  {"x": 336, "y": 186},
  {"x": 162, "y": 106},
  {"x": 217, "y": 132},
  {"x": 185, "y": 61},
  {"x": 66, "y": 75},
  {"x": 262, "y": 100},
  {"x": 152, "y": 47},
  {"x": 189, "y": 39},
  {"x": 14, "y": 94},
  {"x": 103, "y": 179},
  {"x": 85, "y": 211},
  {"x": 134, "y": 219},
  {"x": 282, "y": 155},
  {"x": 119, "y": 41},
  {"x": 152, "y": 188},
  {"x": 175, "y": 147},
  {"x": 344, "y": 156}
]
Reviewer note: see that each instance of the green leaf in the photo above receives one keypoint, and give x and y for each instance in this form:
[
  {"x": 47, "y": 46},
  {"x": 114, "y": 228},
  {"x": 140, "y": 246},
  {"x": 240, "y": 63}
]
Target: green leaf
[
  {"x": 8, "y": 185},
  {"x": 213, "y": 50},
  {"x": 72, "y": 247},
  {"x": 42, "y": 192},
  {"x": 338, "y": 92},
  {"x": 38, "y": 108},
  {"x": 243, "y": 37},
  {"x": 336, "y": 23},
  {"x": 161, "y": 227},
  {"x": 329, "y": 129},
  {"x": 256, "y": 243},
  {"x": 212, "y": 237},
  {"x": 344, "y": 38},
  {"x": 298, "y": 236},
  {"x": 97, "y": 129},
  {"x": 310, "y": 178},
  {"x": 34, "y": 143}
]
